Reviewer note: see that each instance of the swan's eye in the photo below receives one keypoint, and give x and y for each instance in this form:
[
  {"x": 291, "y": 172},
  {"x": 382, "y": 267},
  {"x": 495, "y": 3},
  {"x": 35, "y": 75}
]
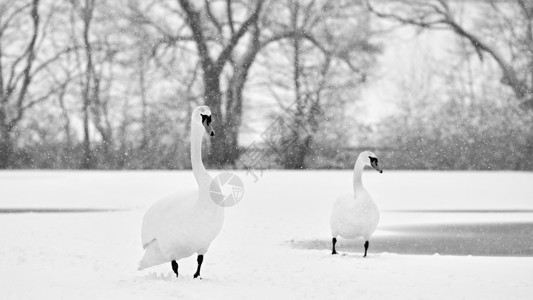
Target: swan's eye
[{"x": 373, "y": 160}]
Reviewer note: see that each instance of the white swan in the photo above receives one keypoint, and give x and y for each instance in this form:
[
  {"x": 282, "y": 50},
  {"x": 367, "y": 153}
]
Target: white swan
[
  {"x": 179, "y": 226},
  {"x": 356, "y": 215}
]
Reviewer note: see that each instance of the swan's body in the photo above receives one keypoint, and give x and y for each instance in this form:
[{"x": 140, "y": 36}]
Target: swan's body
[
  {"x": 177, "y": 227},
  {"x": 356, "y": 215},
  {"x": 180, "y": 225}
]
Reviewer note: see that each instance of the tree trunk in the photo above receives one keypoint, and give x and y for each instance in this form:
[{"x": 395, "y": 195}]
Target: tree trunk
[
  {"x": 6, "y": 148},
  {"x": 295, "y": 155},
  {"x": 528, "y": 161},
  {"x": 234, "y": 103},
  {"x": 233, "y": 118},
  {"x": 220, "y": 152},
  {"x": 86, "y": 160},
  {"x": 144, "y": 103}
]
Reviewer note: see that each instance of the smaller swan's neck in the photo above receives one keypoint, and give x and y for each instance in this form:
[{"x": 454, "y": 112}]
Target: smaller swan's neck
[
  {"x": 357, "y": 174},
  {"x": 200, "y": 173}
]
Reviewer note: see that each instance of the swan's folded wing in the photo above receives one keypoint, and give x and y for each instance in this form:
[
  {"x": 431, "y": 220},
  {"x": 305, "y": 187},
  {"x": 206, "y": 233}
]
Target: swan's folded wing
[{"x": 163, "y": 213}]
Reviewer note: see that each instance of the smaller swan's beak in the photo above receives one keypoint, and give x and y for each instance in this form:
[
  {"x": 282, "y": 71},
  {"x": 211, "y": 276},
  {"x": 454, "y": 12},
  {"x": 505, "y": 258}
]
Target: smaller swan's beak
[
  {"x": 208, "y": 129},
  {"x": 375, "y": 166}
]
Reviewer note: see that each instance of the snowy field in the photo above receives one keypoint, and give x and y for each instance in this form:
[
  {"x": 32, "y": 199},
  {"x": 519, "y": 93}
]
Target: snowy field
[{"x": 443, "y": 235}]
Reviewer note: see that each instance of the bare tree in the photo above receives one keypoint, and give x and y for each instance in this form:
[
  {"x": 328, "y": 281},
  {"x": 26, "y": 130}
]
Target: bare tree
[
  {"x": 510, "y": 24},
  {"x": 96, "y": 62},
  {"x": 23, "y": 73},
  {"x": 223, "y": 146},
  {"x": 330, "y": 59},
  {"x": 227, "y": 47},
  {"x": 438, "y": 14},
  {"x": 168, "y": 80},
  {"x": 87, "y": 82}
]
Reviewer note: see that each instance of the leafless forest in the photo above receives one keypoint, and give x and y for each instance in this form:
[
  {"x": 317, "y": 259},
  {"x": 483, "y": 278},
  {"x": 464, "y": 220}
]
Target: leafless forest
[{"x": 95, "y": 84}]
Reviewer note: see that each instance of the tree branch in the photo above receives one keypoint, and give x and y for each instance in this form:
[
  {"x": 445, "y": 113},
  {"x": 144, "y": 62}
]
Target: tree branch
[
  {"x": 193, "y": 19},
  {"x": 212, "y": 18},
  {"x": 30, "y": 54},
  {"x": 510, "y": 77},
  {"x": 11, "y": 17},
  {"x": 229, "y": 12},
  {"x": 226, "y": 52}
]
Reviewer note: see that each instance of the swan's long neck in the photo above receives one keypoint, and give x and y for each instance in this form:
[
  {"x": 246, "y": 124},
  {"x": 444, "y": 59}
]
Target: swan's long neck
[
  {"x": 200, "y": 173},
  {"x": 357, "y": 173}
]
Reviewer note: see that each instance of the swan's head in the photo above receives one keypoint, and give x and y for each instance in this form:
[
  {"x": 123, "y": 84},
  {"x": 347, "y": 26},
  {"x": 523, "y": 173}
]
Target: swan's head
[
  {"x": 371, "y": 160},
  {"x": 202, "y": 115}
]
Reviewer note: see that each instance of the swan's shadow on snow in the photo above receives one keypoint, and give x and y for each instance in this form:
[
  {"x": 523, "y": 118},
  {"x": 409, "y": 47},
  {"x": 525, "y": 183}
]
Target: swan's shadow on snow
[
  {"x": 171, "y": 277},
  {"x": 168, "y": 276},
  {"x": 486, "y": 239}
]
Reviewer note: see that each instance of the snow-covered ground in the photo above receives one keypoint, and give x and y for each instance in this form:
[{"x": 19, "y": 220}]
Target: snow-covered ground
[{"x": 275, "y": 243}]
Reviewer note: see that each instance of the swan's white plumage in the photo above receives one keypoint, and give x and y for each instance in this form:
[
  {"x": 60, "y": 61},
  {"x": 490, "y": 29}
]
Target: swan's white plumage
[
  {"x": 177, "y": 227},
  {"x": 182, "y": 224},
  {"x": 355, "y": 215}
]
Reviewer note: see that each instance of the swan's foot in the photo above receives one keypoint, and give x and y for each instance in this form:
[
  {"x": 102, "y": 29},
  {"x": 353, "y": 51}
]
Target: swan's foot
[
  {"x": 333, "y": 251},
  {"x": 366, "y": 248},
  {"x": 174, "y": 265},
  {"x": 200, "y": 260}
]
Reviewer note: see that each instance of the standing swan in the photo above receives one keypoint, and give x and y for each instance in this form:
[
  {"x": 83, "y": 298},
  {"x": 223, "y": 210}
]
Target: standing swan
[
  {"x": 356, "y": 215},
  {"x": 178, "y": 226}
]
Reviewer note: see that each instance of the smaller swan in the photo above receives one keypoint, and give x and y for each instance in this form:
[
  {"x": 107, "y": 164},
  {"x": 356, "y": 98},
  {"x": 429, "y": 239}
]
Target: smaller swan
[{"x": 356, "y": 215}]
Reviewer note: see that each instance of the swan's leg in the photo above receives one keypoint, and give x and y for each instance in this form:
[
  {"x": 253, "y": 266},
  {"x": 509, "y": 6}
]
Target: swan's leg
[
  {"x": 366, "y": 248},
  {"x": 200, "y": 260},
  {"x": 333, "y": 241},
  {"x": 175, "y": 267}
]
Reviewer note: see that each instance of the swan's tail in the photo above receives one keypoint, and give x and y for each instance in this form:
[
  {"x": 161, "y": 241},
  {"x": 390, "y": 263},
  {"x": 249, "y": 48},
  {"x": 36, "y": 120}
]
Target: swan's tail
[{"x": 152, "y": 256}]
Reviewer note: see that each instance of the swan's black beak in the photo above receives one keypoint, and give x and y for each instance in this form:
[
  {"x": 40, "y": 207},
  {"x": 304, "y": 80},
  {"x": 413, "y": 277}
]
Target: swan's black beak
[
  {"x": 209, "y": 130},
  {"x": 377, "y": 168},
  {"x": 206, "y": 121},
  {"x": 374, "y": 164}
]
